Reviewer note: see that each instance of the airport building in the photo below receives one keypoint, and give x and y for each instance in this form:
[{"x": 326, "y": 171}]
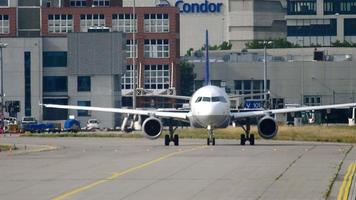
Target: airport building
[
  {"x": 81, "y": 52},
  {"x": 235, "y": 21},
  {"x": 303, "y": 22},
  {"x": 321, "y": 22},
  {"x": 298, "y": 76}
]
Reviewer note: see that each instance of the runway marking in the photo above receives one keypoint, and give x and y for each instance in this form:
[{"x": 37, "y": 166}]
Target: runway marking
[
  {"x": 346, "y": 183},
  {"x": 116, "y": 175}
]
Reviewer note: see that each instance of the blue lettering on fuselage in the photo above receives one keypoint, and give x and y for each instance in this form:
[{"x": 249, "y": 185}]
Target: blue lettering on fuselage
[{"x": 205, "y": 7}]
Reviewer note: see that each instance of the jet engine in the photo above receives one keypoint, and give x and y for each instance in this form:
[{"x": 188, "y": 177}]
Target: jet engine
[
  {"x": 267, "y": 127},
  {"x": 152, "y": 128}
]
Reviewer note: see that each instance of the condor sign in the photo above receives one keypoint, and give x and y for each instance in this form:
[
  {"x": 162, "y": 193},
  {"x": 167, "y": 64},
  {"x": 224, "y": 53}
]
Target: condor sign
[{"x": 205, "y": 7}]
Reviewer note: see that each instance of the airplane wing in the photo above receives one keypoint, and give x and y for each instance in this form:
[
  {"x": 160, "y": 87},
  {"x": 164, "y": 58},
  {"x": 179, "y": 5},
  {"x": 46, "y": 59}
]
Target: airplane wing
[
  {"x": 156, "y": 113},
  {"x": 289, "y": 110}
]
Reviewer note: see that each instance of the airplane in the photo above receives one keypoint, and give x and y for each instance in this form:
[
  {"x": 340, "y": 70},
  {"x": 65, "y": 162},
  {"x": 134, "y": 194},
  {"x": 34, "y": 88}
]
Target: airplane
[{"x": 210, "y": 109}]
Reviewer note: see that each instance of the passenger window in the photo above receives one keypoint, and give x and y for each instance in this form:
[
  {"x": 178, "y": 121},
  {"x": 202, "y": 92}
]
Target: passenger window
[
  {"x": 206, "y": 99},
  {"x": 198, "y": 100}
]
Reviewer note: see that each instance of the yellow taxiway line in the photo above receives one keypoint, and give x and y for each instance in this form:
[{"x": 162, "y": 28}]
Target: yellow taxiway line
[
  {"x": 346, "y": 183},
  {"x": 116, "y": 175}
]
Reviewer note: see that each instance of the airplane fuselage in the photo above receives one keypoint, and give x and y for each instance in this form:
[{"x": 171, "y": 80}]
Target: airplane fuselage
[{"x": 210, "y": 106}]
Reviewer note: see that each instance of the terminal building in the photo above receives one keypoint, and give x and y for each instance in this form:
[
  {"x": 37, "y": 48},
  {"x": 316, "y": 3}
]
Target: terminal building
[
  {"x": 295, "y": 77},
  {"x": 303, "y": 22},
  {"x": 235, "y": 21},
  {"x": 81, "y": 52},
  {"x": 321, "y": 22}
]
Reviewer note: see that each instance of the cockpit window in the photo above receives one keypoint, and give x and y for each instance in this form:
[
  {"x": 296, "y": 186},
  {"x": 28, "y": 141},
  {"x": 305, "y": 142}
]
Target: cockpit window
[
  {"x": 219, "y": 99},
  {"x": 198, "y": 99},
  {"x": 215, "y": 99},
  {"x": 206, "y": 99},
  {"x": 222, "y": 99}
]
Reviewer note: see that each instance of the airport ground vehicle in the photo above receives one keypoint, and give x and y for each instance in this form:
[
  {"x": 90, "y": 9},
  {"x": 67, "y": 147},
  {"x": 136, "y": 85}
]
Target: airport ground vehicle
[
  {"x": 92, "y": 124},
  {"x": 42, "y": 127},
  {"x": 72, "y": 125}
]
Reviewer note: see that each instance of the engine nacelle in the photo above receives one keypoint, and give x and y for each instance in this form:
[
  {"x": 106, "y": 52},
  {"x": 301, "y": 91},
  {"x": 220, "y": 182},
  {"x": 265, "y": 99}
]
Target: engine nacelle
[
  {"x": 152, "y": 128},
  {"x": 267, "y": 127}
]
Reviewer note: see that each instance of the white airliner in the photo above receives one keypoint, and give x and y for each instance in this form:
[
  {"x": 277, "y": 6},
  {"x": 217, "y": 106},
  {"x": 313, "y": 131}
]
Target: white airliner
[{"x": 210, "y": 109}]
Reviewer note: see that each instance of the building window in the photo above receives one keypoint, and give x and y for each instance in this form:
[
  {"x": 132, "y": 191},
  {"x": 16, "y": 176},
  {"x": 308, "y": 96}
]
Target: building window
[
  {"x": 127, "y": 78},
  {"x": 54, "y": 59},
  {"x": 27, "y": 83},
  {"x": 60, "y": 23},
  {"x": 301, "y": 7},
  {"x": 350, "y": 27},
  {"x": 348, "y": 7},
  {"x": 84, "y": 84},
  {"x": 339, "y": 6},
  {"x": 329, "y": 7},
  {"x": 78, "y": 3},
  {"x": 101, "y": 2},
  {"x": 312, "y": 100},
  {"x": 84, "y": 113},
  {"x": 131, "y": 49},
  {"x": 4, "y": 3},
  {"x": 91, "y": 20},
  {"x": 277, "y": 103},
  {"x": 156, "y": 77},
  {"x": 124, "y": 23},
  {"x": 312, "y": 27},
  {"x": 251, "y": 87},
  {"x": 55, "y": 84},
  {"x": 156, "y": 49},
  {"x": 156, "y": 23},
  {"x": 53, "y": 113},
  {"x": 117, "y": 83},
  {"x": 4, "y": 24}
]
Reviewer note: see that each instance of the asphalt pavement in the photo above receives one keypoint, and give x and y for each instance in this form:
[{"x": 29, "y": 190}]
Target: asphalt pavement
[{"x": 118, "y": 168}]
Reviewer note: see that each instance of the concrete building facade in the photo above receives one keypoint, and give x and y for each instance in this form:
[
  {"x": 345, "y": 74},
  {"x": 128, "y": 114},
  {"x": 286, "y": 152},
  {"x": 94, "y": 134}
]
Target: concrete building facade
[
  {"x": 65, "y": 67},
  {"x": 321, "y": 22},
  {"x": 237, "y": 21},
  {"x": 293, "y": 75}
]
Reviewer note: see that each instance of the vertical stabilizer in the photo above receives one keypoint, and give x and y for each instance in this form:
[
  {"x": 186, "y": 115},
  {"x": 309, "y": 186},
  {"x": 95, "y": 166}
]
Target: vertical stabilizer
[{"x": 207, "y": 73}]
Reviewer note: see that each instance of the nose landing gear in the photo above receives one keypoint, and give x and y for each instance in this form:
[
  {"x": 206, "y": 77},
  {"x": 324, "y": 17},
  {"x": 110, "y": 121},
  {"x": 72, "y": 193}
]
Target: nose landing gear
[{"x": 211, "y": 137}]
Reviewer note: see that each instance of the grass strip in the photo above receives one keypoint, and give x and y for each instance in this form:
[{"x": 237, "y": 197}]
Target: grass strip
[{"x": 319, "y": 133}]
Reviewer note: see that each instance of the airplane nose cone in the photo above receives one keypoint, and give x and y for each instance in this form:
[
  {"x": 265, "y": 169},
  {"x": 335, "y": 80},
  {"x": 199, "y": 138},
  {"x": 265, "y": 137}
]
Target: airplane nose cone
[
  {"x": 211, "y": 110},
  {"x": 212, "y": 115}
]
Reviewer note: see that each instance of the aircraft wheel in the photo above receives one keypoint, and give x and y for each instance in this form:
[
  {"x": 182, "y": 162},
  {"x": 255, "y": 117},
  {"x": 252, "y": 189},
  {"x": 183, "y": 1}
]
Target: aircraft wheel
[
  {"x": 207, "y": 141},
  {"x": 242, "y": 139},
  {"x": 176, "y": 140},
  {"x": 252, "y": 139},
  {"x": 213, "y": 142},
  {"x": 166, "y": 140}
]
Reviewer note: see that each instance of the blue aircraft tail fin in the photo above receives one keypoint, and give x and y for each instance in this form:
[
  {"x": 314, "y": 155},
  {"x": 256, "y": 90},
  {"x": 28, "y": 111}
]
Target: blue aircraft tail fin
[{"x": 207, "y": 73}]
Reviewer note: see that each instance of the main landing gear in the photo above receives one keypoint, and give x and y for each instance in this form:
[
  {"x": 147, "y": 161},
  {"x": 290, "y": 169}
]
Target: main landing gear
[
  {"x": 211, "y": 138},
  {"x": 171, "y": 137},
  {"x": 247, "y": 136}
]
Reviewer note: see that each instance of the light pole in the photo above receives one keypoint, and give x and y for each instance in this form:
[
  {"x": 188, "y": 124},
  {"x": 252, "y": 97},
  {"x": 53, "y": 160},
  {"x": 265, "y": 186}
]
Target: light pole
[
  {"x": 134, "y": 53},
  {"x": 2, "y": 45},
  {"x": 265, "y": 43}
]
